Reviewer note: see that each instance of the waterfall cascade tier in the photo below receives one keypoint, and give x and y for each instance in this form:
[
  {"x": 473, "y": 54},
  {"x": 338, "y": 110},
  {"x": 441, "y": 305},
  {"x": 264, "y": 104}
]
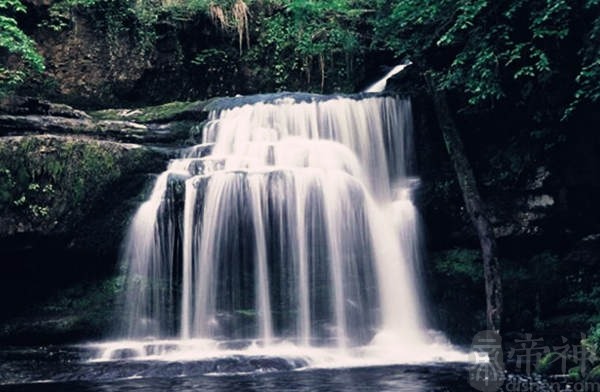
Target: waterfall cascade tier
[
  {"x": 380, "y": 85},
  {"x": 292, "y": 221}
]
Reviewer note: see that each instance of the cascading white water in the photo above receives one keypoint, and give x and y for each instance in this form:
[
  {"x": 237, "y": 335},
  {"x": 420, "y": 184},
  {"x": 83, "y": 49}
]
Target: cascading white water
[
  {"x": 291, "y": 222},
  {"x": 379, "y": 86}
]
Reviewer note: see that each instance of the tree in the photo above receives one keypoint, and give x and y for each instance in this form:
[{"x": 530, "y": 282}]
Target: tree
[
  {"x": 497, "y": 50},
  {"x": 475, "y": 207},
  {"x": 18, "y": 54},
  {"x": 541, "y": 56}
]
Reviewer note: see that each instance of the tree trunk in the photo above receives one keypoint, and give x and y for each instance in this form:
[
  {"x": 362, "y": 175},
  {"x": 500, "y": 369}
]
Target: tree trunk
[{"x": 476, "y": 209}]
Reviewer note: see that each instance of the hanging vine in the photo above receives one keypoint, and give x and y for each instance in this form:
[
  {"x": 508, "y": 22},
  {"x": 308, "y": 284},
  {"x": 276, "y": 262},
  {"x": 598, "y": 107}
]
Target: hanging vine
[{"x": 235, "y": 18}]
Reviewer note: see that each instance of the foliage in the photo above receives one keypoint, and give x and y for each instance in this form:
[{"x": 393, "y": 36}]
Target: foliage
[
  {"x": 218, "y": 65},
  {"x": 491, "y": 51},
  {"x": 534, "y": 289},
  {"x": 281, "y": 44},
  {"x": 313, "y": 37},
  {"x": 18, "y": 54},
  {"x": 550, "y": 363},
  {"x": 113, "y": 18},
  {"x": 592, "y": 342},
  {"x": 590, "y": 368},
  {"x": 460, "y": 264},
  {"x": 588, "y": 78},
  {"x": 452, "y": 269},
  {"x": 488, "y": 50},
  {"x": 574, "y": 373},
  {"x": 80, "y": 298},
  {"x": 284, "y": 45},
  {"x": 82, "y": 310}
]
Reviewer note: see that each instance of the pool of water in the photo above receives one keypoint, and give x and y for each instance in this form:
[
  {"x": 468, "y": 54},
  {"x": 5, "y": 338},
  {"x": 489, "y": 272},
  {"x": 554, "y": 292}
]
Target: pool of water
[{"x": 74, "y": 368}]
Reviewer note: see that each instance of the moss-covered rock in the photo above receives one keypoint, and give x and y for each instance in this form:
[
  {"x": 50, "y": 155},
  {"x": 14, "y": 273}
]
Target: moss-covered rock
[
  {"x": 48, "y": 184},
  {"x": 168, "y": 112},
  {"x": 174, "y": 123}
]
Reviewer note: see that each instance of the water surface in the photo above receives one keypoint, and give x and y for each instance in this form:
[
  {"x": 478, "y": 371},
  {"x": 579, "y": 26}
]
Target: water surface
[{"x": 69, "y": 369}]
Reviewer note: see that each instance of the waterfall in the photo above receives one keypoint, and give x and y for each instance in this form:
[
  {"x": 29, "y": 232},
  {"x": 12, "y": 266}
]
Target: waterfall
[
  {"x": 380, "y": 85},
  {"x": 292, "y": 221}
]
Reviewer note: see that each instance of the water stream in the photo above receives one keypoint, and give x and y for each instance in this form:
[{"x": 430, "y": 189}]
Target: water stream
[{"x": 289, "y": 231}]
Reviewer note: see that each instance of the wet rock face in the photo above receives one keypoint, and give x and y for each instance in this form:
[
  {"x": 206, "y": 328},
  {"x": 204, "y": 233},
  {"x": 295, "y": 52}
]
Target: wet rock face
[
  {"x": 526, "y": 211},
  {"x": 99, "y": 55},
  {"x": 89, "y": 68}
]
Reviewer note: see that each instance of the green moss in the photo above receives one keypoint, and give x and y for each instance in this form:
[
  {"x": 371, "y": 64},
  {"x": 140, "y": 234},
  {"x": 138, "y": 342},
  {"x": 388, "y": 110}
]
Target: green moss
[
  {"x": 48, "y": 178},
  {"x": 49, "y": 184},
  {"x": 160, "y": 113},
  {"x": 460, "y": 263}
]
